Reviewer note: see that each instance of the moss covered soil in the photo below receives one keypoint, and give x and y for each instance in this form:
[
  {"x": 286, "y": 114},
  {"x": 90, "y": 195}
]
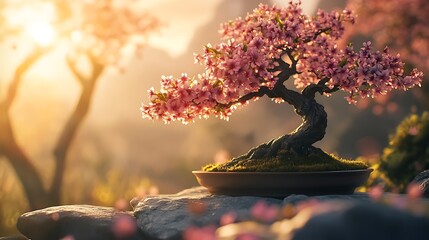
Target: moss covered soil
[{"x": 289, "y": 162}]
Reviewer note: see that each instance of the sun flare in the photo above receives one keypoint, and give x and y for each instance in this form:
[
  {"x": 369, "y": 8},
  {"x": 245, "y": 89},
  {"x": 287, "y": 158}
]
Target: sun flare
[
  {"x": 42, "y": 33},
  {"x": 34, "y": 20}
]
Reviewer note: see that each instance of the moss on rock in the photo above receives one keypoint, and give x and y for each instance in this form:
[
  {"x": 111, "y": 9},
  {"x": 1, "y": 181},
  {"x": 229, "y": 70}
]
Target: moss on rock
[{"x": 288, "y": 161}]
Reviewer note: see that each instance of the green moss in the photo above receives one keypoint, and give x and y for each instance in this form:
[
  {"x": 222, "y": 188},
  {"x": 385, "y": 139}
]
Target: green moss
[{"x": 317, "y": 160}]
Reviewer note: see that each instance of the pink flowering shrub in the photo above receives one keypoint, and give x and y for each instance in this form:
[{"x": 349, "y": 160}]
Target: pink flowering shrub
[{"x": 263, "y": 50}]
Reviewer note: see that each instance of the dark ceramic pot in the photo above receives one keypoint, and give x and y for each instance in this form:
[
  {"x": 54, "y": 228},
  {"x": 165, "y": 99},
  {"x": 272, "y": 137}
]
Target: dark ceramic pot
[{"x": 282, "y": 184}]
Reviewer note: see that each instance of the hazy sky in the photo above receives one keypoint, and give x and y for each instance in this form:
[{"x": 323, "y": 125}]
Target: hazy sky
[
  {"x": 183, "y": 17},
  {"x": 180, "y": 19}
]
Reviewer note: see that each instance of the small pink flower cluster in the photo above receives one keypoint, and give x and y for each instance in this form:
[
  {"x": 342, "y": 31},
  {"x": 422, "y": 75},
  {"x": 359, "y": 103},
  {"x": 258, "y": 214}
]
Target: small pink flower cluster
[
  {"x": 362, "y": 74},
  {"x": 249, "y": 59}
]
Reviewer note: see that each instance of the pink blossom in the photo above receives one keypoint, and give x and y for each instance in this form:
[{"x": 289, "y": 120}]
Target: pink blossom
[
  {"x": 68, "y": 237},
  {"x": 121, "y": 204},
  {"x": 104, "y": 29},
  {"x": 248, "y": 236},
  {"x": 124, "y": 226},
  {"x": 401, "y": 24},
  {"x": 264, "y": 212},
  {"x": 228, "y": 218},
  {"x": 199, "y": 233},
  {"x": 248, "y": 59},
  {"x": 414, "y": 191},
  {"x": 376, "y": 192}
]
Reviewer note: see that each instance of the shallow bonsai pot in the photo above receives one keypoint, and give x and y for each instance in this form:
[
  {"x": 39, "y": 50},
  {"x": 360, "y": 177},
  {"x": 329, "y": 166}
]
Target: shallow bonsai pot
[{"x": 282, "y": 184}]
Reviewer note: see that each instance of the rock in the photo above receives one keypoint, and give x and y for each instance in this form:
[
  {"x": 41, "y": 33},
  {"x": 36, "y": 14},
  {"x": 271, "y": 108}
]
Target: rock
[
  {"x": 294, "y": 199},
  {"x": 15, "y": 237},
  {"x": 167, "y": 216},
  {"x": 369, "y": 221},
  {"x": 423, "y": 180},
  {"x": 82, "y": 222}
]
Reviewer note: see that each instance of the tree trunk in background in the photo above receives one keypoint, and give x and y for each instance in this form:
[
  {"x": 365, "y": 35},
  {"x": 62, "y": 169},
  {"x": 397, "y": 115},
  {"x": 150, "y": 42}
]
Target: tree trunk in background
[
  {"x": 37, "y": 195},
  {"x": 31, "y": 181}
]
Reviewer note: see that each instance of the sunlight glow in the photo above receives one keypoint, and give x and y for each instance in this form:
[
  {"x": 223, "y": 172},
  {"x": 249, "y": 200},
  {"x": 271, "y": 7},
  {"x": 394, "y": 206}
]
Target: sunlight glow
[
  {"x": 76, "y": 36},
  {"x": 42, "y": 32},
  {"x": 34, "y": 19}
]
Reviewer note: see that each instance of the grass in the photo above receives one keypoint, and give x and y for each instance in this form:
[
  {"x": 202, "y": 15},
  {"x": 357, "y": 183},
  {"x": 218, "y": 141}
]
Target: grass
[{"x": 317, "y": 160}]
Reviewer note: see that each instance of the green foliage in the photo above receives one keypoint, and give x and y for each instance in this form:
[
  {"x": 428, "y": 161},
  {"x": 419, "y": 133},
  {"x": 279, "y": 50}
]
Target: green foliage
[
  {"x": 316, "y": 160},
  {"x": 408, "y": 151}
]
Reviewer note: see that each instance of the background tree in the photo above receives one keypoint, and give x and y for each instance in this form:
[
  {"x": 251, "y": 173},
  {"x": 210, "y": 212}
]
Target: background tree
[
  {"x": 97, "y": 34},
  {"x": 264, "y": 50}
]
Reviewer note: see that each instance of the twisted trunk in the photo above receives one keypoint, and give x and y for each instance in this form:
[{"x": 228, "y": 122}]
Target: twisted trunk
[{"x": 302, "y": 138}]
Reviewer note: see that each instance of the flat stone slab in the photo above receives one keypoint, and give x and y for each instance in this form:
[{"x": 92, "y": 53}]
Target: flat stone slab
[
  {"x": 83, "y": 222},
  {"x": 167, "y": 216}
]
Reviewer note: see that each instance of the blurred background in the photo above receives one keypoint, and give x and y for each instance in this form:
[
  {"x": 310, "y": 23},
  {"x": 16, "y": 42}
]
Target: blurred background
[{"x": 57, "y": 47}]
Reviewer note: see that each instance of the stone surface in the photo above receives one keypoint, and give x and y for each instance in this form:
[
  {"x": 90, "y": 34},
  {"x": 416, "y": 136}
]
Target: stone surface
[
  {"x": 369, "y": 221},
  {"x": 82, "y": 222},
  {"x": 15, "y": 237},
  {"x": 166, "y": 216},
  {"x": 423, "y": 180},
  {"x": 294, "y": 199}
]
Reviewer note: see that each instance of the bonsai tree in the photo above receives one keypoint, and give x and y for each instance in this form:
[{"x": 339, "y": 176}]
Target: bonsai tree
[{"x": 259, "y": 54}]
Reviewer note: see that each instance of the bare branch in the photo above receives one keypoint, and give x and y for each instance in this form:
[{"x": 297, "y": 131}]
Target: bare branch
[
  {"x": 73, "y": 68},
  {"x": 19, "y": 72},
  {"x": 97, "y": 66},
  {"x": 286, "y": 70}
]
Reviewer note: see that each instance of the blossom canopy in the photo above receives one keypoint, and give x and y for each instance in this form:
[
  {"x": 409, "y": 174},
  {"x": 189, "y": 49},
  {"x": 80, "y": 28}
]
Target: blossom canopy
[{"x": 268, "y": 47}]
